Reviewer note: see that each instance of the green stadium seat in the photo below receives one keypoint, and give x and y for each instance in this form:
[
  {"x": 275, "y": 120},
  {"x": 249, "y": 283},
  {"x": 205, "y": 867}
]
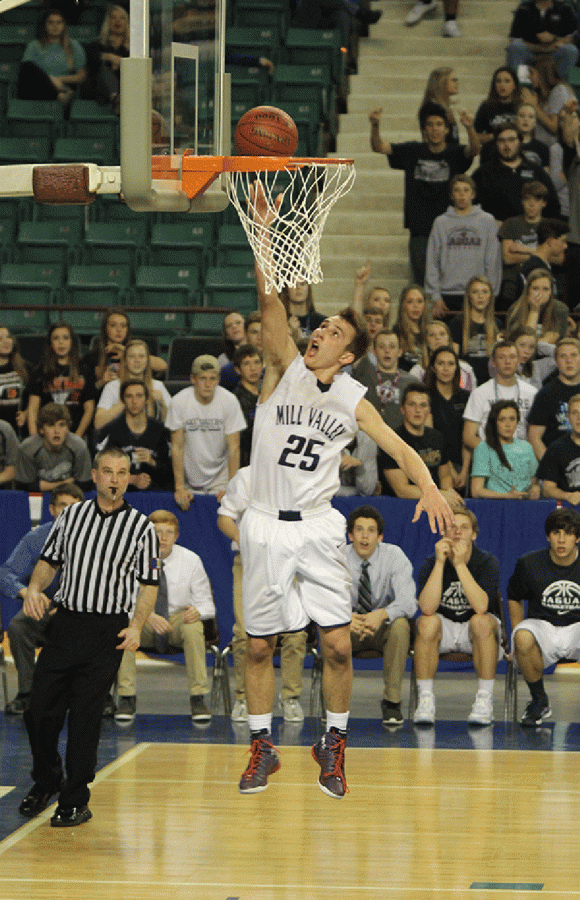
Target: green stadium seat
[
  {"x": 14, "y": 150},
  {"x": 98, "y": 285},
  {"x": 315, "y": 47},
  {"x": 7, "y": 228},
  {"x": 181, "y": 244},
  {"x": 89, "y": 119},
  {"x": 233, "y": 248},
  {"x": 206, "y": 323},
  {"x": 84, "y": 33},
  {"x": 14, "y": 38},
  {"x": 45, "y": 242},
  {"x": 250, "y": 84},
  {"x": 117, "y": 243},
  {"x": 232, "y": 286},
  {"x": 84, "y": 149},
  {"x": 85, "y": 323},
  {"x": 109, "y": 208},
  {"x": 27, "y": 14},
  {"x": 301, "y": 84},
  {"x": 167, "y": 286},
  {"x": 35, "y": 118},
  {"x": 28, "y": 285},
  {"x": 67, "y": 213},
  {"x": 262, "y": 41},
  {"x": 307, "y": 118}
]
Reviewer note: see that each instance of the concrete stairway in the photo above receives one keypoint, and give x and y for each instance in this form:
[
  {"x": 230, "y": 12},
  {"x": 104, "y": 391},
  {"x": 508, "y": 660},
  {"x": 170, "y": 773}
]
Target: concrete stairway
[{"x": 394, "y": 63}]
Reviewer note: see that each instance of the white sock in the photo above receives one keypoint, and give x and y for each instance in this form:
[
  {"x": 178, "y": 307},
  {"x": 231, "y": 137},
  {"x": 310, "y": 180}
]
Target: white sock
[
  {"x": 337, "y": 720},
  {"x": 486, "y": 684},
  {"x": 425, "y": 685},
  {"x": 259, "y": 723}
]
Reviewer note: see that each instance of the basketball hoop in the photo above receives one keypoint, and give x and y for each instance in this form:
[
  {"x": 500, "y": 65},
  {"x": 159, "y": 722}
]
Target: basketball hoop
[{"x": 288, "y": 248}]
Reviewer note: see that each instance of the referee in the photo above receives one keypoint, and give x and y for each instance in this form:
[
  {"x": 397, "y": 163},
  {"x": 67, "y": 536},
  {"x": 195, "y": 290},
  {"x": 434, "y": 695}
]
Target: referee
[{"x": 108, "y": 554}]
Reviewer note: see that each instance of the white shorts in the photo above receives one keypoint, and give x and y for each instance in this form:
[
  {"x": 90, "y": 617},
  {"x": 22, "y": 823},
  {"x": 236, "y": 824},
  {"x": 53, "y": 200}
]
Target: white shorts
[
  {"x": 555, "y": 641},
  {"x": 294, "y": 572},
  {"x": 455, "y": 636}
]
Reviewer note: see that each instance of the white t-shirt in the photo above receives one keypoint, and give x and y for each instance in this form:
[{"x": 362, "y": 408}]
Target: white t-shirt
[
  {"x": 481, "y": 400},
  {"x": 187, "y": 582},
  {"x": 205, "y": 428},
  {"x": 299, "y": 435},
  {"x": 111, "y": 393}
]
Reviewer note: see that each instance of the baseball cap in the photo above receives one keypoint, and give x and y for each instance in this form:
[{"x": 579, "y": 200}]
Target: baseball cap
[{"x": 205, "y": 363}]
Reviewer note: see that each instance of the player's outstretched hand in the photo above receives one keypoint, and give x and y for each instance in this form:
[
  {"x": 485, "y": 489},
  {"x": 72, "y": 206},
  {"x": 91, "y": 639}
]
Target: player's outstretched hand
[
  {"x": 260, "y": 210},
  {"x": 438, "y": 511}
]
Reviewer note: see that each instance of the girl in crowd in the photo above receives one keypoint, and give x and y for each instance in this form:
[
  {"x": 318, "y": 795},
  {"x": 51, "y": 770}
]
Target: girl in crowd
[
  {"x": 534, "y": 150},
  {"x": 548, "y": 95},
  {"x": 300, "y": 308},
  {"x": 104, "y": 58},
  {"x": 475, "y": 331},
  {"x": 62, "y": 378},
  {"x": 532, "y": 370},
  {"x": 538, "y": 308},
  {"x": 54, "y": 64},
  {"x": 135, "y": 363},
  {"x": 504, "y": 466},
  {"x": 438, "y": 335},
  {"x": 500, "y": 105},
  {"x": 105, "y": 359},
  {"x": 411, "y": 325},
  {"x": 233, "y": 334},
  {"x": 442, "y": 86},
  {"x": 13, "y": 378},
  {"x": 448, "y": 402}
]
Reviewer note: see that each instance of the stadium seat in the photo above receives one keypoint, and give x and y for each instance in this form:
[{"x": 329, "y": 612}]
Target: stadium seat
[
  {"x": 85, "y": 322},
  {"x": 6, "y": 240},
  {"x": 84, "y": 149},
  {"x": 35, "y": 118},
  {"x": 109, "y": 208},
  {"x": 303, "y": 84},
  {"x": 117, "y": 243},
  {"x": 314, "y": 47},
  {"x": 250, "y": 84},
  {"x": 207, "y": 324},
  {"x": 262, "y": 41},
  {"x": 233, "y": 248},
  {"x": 67, "y": 213},
  {"x": 14, "y": 38},
  {"x": 232, "y": 286},
  {"x": 27, "y": 14},
  {"x": 89, "y": 119},
  {"x": 98, "y": 285},
  {"x": 28, "y": 285},
  {"x": 306, "y": 116},
  {"x": 46, "y": 242},
  {"x": 182, "y": 244},
  {"x": 15, "y": 150},
  {"x": 166, "y": 286}
]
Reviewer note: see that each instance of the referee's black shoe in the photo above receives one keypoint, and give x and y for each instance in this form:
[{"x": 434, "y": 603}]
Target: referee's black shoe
[
  {"x": 36, "y": 800},
  {"x": 68, "y": 817}
]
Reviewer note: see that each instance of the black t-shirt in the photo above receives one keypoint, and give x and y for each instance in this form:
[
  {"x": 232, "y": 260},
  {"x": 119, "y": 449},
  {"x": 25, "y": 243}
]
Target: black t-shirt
[
  {"x": 248, "y": 403},
  {"x": 309, "y": 322},
  {"x": 72, "y": 393},
  {"x": 448, "y": 420},
  {"x": 561, "y": 464},
  {"x": 427, "y": 177},
  {"x": 430, "y": 446},
  {"x": 499, "y": 188},
  {"x": 552, "y": 591},
  {"x": 489, "y": 115},
  {"x": 454, "y": 605},
  {"x": 550, "y": 409},
  {"x": 155, "y": 438},
  {"x": 11, "y": 391},
  {"x": 528, "y": 21},
  {"x": 476, "y": 354}
]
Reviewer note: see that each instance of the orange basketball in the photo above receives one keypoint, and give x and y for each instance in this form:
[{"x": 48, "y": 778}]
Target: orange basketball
[{"x": 266, "y": 131}]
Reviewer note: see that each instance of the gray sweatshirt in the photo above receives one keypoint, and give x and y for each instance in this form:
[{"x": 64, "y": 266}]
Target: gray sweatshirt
[{"x": 459, "y": 247}]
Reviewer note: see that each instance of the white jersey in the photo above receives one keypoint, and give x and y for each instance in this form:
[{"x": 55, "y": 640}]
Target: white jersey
[{"x": 299, "y": 434}]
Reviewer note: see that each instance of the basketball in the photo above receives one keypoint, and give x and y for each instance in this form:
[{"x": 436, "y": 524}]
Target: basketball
[{"x": 266, "y": 131}]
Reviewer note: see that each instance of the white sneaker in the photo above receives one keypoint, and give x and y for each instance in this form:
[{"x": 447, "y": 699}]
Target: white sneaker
[
  {"x": 292, "y": 710},
  {"x": 482, "y": 710},
  {"x": 425, "y": 712},
  {"x": 451, "y": 29},
  {"x": 240, "y": 711},
  {"x": 420, "y": 10}
]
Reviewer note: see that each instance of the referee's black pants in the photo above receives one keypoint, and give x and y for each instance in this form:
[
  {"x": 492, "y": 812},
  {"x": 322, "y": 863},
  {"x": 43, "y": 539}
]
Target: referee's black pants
[{"x": 74, "y": 673}]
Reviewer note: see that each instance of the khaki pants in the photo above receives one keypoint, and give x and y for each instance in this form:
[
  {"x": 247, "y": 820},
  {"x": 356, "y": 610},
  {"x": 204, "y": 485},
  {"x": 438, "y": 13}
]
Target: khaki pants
[
  {"x": 188, "y": 636},
  {"x": 292, "y": 652},
  {"x": 392, "y": 641}
]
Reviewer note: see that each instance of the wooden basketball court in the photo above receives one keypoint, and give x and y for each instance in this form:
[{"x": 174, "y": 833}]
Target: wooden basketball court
[{"x": 418, "y": 823}]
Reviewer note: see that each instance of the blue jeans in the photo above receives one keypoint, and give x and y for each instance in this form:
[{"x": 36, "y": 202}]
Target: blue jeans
[{"x": 519, "y": 55}]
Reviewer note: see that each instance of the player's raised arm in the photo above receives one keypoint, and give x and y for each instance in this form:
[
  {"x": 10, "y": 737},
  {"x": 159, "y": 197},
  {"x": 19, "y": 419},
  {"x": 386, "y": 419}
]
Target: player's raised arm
[
  {"x": 432, "y": 501},
  {"x": 278, "y": 347}
]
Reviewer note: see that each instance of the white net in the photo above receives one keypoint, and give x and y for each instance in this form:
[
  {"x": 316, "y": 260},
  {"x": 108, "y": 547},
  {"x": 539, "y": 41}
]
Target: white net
[{"x": 287, "y": 248}]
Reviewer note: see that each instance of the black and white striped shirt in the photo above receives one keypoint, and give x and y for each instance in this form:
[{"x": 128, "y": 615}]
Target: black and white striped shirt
[{"x": 103, "y": 556}]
